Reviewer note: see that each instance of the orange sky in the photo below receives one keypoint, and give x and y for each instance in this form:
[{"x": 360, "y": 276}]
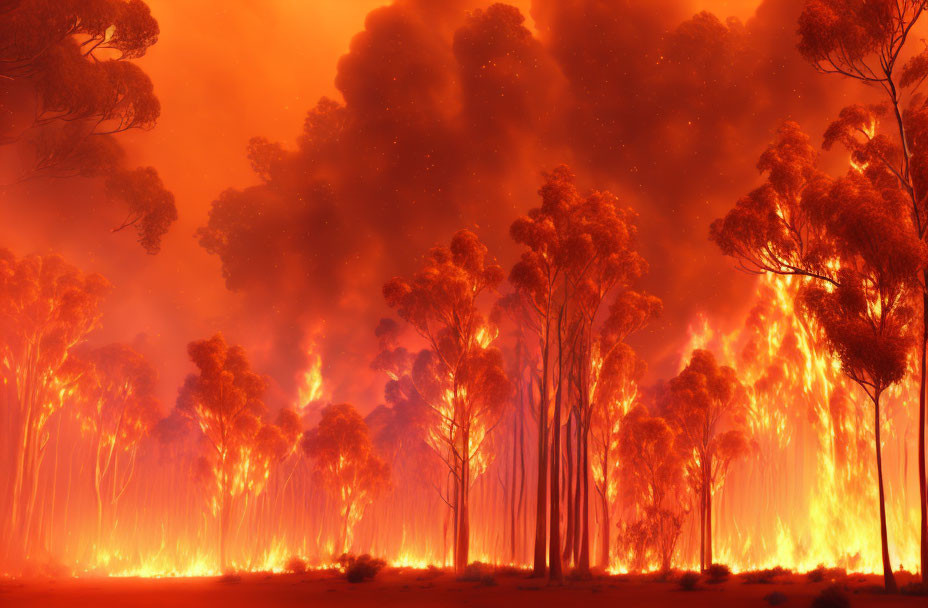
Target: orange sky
[{"x": 225, "y": 72}]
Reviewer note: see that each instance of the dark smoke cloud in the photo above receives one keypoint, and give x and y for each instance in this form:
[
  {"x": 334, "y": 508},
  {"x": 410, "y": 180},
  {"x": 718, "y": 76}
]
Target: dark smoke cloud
[
  {"x": 446, "y": 115},
  {"x": 449, "y": 116}
]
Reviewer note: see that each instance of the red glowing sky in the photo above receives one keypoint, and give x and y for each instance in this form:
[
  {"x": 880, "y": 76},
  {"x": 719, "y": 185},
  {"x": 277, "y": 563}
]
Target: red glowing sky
[{"x": 226, "y": 72}]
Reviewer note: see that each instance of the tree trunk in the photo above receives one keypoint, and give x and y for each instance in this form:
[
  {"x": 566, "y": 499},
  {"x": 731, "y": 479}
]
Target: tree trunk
[
  {"x": 512, "y": 483},
  {"x": 576, "y": 495},
  {"x": 519, "y": 509},
  {"x": 568, "y": 554},
  {"x": 585, "y": 508},
  {"x": 702, "y": 528},
  {"x": 538, "y": 569},
  {"x": 97, "y": 491},
  {"x": 888, "y": 579},
  {"x": 224, "y": 510},
  {"x": 555, "y": 572},
  {"x": 455, "y": 527},
  {"x": 709, "y": 521},
  {"x": 460, "y": 561},
  {"x": 922, "y": 480},
  {"x": 604, "y": 551},
  {"x": 345, "y": 524}
]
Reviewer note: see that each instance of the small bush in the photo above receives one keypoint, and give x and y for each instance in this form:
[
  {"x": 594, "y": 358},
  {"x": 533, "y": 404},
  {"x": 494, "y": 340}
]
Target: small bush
[
  {"x": 478, "y": 572},
  {"x": 832, "y": 597},
  {"x": 361, "y": 568},
  {"x": 775, "y": 599},
  {"x": 914, "y": 589},
  {"x": 689, "y": 581},
  {"x": 718, "y": 573},
  {"x": 430, "y": 573},
  {"x": 508, "y": 571},
  {"x": 230, "y": 577},
  {"x": 821, "y": 573},
  {"x": 295, "y": 565},
  {"x": 763, "y": 577}
]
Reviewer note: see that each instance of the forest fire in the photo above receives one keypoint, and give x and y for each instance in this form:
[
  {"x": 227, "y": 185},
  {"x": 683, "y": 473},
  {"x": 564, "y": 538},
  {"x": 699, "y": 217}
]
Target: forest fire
[{"x": 514, "y": 310}]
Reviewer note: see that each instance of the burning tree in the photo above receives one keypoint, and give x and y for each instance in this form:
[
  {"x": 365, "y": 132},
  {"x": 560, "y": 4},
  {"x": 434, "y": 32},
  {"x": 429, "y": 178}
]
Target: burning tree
[
  {"x": 118, "y": 408},
  {"x": 225, "y": 400},
  {"x": 617, "y": 392},
  {"x": 460, "y": 377},
  {"x": 866, "y": 42},
  {"x": 845, "y": 237},
  {"x": 47, "y": 307},
  {"x": 343, "y": 457},
  {"x": 580, "y": 249},
  {"x": 652, "y": 474},
  {"x": 706, "y": 408},
  {"x": 617, "y": 373}
]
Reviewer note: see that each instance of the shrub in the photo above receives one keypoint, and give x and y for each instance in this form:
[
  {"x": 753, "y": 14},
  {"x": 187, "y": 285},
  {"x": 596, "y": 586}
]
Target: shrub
[
  {"x": 361, "y": 568},
  {"x": 821, "y": 573},
  {"x": 775, "y": 599},
  {"x": 478, "y": 572},
  {"x": 689, "y": 581},
  {"x": 430, "y": 573},
  {"x": 832, "y": 597},
  {"x": 508, "y": 571},
  {"x": 718, "y": 573},
  {"x": 295, "y": 565},
  {"x": 763, "y": 577},
  {"x": 915, "y": 588},
  {"x": 230, "y": 577}
]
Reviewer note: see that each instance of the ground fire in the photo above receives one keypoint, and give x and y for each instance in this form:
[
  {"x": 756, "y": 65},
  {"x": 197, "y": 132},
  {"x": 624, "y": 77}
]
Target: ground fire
[{"x": 564, "y": 296}]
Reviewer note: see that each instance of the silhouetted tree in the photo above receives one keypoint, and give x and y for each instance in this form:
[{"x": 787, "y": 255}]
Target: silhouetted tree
[
  {"x": 47, "y": 307},
  {"x": 69, "y": 64},
  {"x": 75, "y": 55},
  {"x": 343, "y": 456},
  {"x": 151, "y": 208}
]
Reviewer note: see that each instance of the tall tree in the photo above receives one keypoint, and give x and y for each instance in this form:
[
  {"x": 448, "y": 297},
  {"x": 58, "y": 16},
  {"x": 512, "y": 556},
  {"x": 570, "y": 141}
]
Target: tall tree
[
  {"x": 616, "y": 393},
  {"x": 119, "y": 408},
  {"x": 867, "y": 41},
  {"x": 866, "y": 314},
  {"x": 580, "y": 249},
  {"x": 342, "y": 455},
  {"x": 846, "y": 237},
  {"x": 225, "y": 400},
  {"x": 47, "y": 307},
  {"x": 706, "y": 408},
  {"x": 541, "y": 274},
  {"x": 460, "y": 377},
  {"x": 604, "y": 240}
]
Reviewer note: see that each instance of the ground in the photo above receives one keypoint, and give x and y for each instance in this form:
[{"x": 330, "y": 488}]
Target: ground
[{"x": 411, "y": 588}]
